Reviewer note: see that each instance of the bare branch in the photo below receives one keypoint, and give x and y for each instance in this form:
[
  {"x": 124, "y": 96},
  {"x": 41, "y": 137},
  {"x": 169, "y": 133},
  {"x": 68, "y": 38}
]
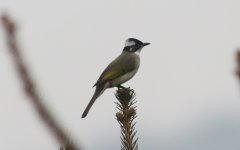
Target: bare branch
[
  {"x": 238, "y": 63},
  {"x": 30, "y": 87}
]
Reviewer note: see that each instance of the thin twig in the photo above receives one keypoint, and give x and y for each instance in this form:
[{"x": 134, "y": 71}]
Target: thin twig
[
  {"x": 238, "y": 63},
  {"x": 30, "y": 87}
]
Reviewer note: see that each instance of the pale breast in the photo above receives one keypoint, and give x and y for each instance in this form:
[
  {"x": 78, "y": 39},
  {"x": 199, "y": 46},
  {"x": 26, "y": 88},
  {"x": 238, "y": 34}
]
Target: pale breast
[
  {"x": 120, "y": 80},
  {"x": 123, "y": 78}
]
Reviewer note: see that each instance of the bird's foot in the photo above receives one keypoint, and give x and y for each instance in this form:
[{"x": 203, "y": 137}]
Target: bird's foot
[{"x": 122, "y": 87}]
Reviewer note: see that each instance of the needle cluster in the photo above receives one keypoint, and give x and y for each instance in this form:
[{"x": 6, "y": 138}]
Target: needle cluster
[{"x": 125, "y": 116}]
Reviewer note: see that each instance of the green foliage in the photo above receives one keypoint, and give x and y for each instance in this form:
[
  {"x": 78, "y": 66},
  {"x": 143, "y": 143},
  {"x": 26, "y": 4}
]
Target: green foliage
[{"x": 125, "y": 117}]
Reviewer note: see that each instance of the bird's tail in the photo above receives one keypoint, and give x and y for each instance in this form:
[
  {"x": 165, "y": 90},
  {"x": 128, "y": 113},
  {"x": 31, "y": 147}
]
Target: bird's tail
[{"x": 99, "y": 90}]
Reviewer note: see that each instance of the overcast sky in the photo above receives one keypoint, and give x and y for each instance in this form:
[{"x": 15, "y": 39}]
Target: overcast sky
[{"x": 188, "y": 97}]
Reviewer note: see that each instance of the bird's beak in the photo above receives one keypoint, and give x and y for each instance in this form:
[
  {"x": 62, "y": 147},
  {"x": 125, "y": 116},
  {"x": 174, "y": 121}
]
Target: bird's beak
[{"x": 145, "y": 44}]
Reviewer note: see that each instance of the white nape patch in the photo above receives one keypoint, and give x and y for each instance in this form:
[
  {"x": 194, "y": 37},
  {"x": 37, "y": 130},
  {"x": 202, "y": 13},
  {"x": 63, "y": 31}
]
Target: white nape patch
[{"x": 129, "y": 43}]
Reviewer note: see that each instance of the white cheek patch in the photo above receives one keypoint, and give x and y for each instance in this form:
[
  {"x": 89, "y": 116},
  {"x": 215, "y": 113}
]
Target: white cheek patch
[
  {"x": 129, "y": 43},
  {"x": 138, "y": 52}
]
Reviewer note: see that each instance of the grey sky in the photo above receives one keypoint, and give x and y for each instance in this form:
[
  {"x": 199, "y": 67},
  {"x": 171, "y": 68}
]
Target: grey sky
[{"x": 188, "y": 96}]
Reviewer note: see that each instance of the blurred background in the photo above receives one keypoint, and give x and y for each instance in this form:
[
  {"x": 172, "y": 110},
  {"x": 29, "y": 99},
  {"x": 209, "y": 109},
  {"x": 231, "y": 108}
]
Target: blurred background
[{"x": 188, "y": 94}]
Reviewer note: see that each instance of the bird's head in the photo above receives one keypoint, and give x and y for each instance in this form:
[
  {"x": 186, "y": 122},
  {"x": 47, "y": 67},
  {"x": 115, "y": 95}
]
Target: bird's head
[{"x": 134, "y": 45}]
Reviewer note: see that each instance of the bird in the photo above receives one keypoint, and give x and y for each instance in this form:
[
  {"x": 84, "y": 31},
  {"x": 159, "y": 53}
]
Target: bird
[{"x": 120, "y": 70}]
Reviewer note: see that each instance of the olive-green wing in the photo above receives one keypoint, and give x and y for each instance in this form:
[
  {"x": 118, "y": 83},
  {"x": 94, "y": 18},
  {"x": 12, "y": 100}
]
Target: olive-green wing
[{"x": 117, "y": 68}]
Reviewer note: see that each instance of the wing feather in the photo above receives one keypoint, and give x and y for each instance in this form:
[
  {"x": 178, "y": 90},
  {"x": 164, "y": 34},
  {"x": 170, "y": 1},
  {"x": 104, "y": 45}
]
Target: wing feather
[{"x": 121, "y": 65}]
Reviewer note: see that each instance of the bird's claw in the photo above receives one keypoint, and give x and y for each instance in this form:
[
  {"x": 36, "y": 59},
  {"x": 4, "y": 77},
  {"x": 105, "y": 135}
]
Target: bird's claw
[{"x": 122, "y": 87}]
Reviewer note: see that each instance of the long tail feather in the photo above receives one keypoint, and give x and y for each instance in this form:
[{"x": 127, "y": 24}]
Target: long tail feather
[{"x": 99, "y": 90}]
